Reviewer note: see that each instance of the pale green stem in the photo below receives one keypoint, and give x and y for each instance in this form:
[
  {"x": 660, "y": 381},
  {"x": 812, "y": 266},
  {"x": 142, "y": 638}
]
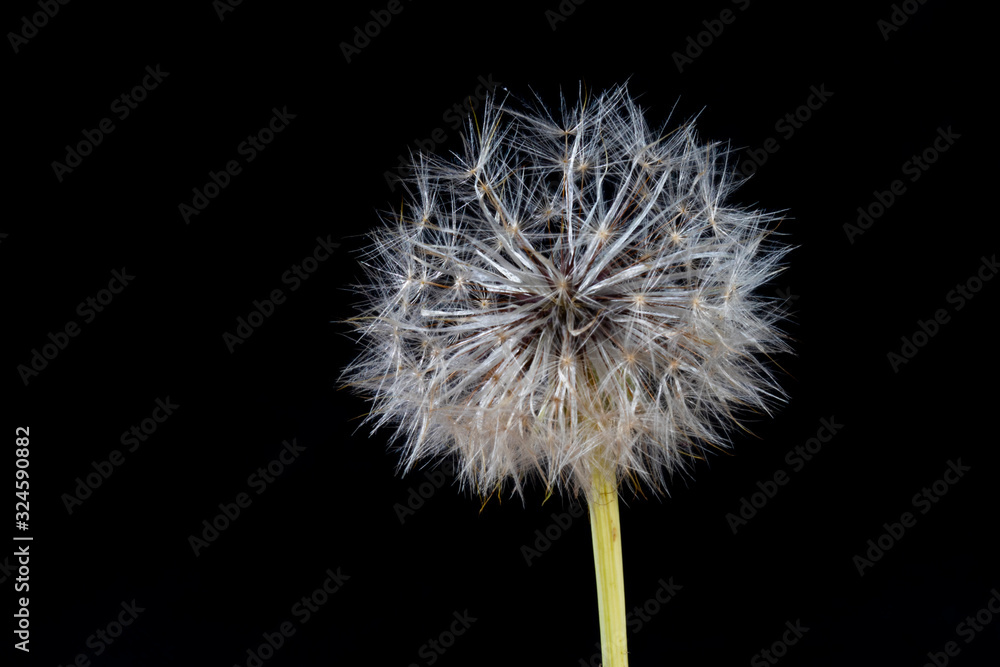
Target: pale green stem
[{"x": 605, "y": 528}]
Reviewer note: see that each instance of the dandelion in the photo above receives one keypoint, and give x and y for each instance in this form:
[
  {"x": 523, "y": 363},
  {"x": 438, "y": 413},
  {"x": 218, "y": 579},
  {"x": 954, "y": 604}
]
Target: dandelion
[{"x": 572, "y": 299}]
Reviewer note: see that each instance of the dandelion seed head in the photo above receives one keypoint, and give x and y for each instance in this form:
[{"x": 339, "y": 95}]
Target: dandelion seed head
[{"x": 567, "y": 296}]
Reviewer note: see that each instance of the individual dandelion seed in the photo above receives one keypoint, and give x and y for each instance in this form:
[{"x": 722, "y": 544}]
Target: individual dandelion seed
[{"x": 571, "y": 299}]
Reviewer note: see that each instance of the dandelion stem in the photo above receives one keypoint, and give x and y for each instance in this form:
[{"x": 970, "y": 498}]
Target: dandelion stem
[{"x": 605, "y": 528}]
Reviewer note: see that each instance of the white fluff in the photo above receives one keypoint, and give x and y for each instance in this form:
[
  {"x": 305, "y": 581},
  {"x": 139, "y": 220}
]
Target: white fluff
[{"x": 570, "y": 292}]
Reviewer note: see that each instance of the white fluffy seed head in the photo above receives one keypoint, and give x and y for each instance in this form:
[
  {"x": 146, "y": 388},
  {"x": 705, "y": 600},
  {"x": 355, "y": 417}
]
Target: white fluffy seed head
[{"x": 570, "y": 295}]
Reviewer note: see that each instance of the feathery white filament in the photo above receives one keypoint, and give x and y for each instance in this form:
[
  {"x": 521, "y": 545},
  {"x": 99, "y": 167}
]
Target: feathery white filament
[{"x": 568, "y": 294}]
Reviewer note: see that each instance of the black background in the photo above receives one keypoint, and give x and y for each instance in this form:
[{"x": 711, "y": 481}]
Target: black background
[{"x": 337, "y": 505}]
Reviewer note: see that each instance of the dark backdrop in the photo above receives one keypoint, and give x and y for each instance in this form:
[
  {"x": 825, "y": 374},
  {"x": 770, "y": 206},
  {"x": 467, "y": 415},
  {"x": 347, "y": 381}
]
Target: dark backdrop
[{"x": 413, "y": 561}]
